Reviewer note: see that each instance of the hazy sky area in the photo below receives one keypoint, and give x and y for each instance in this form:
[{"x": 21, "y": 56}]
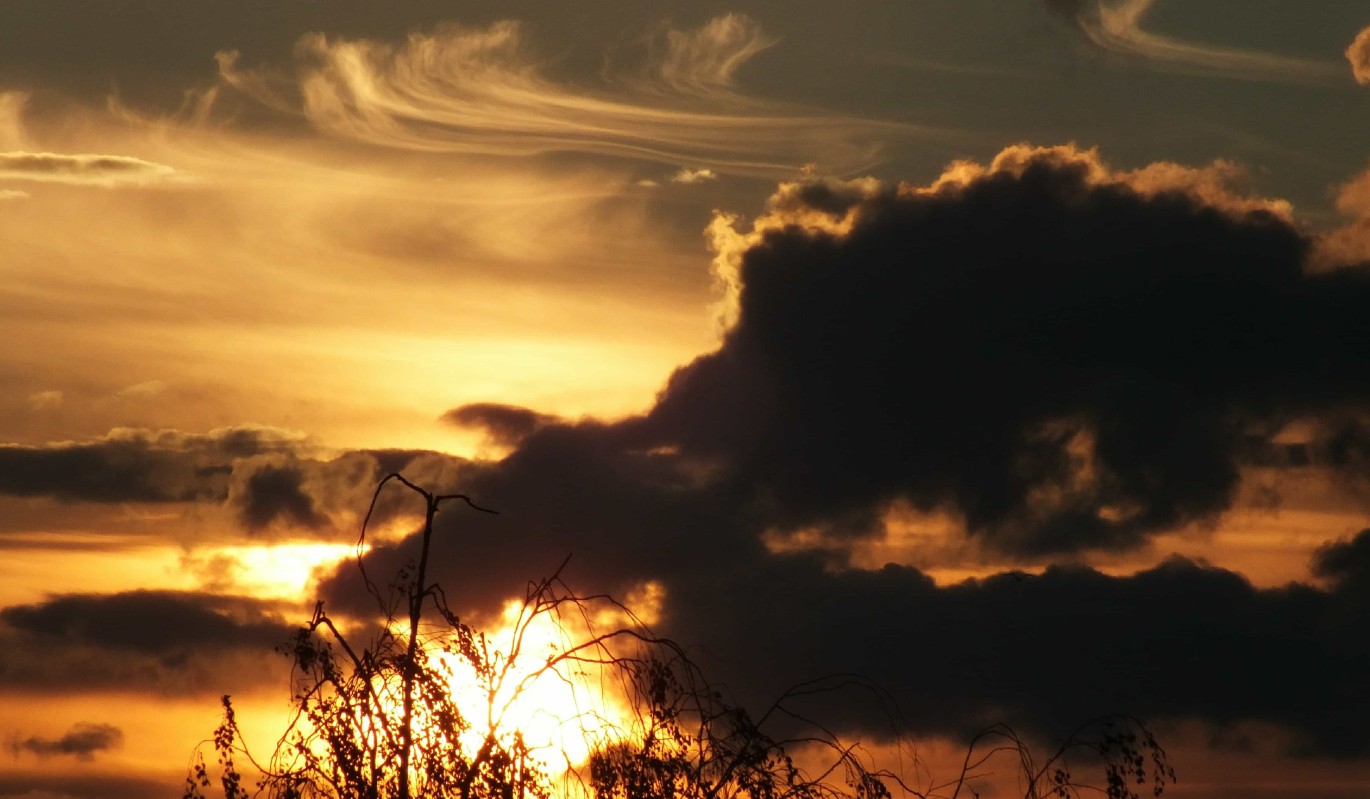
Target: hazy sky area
[{"x": 1013, "y": 355}]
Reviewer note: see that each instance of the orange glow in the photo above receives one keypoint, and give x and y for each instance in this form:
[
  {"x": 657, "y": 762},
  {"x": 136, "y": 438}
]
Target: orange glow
[
  {"x": 279, "y": 570},
  {"x": 553, "y": 683}
]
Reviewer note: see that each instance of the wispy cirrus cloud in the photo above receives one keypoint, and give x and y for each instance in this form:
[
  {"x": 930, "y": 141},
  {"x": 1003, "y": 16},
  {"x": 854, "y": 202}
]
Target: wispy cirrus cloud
[
  {"x": 480, "y": 91},
  {"x": 705, "y": 60},
  {"x": 1116, "y": 26}
]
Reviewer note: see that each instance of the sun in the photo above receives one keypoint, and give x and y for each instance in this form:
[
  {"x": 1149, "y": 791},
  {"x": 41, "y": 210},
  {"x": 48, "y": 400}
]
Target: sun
[{"x": 552, "y": 677}]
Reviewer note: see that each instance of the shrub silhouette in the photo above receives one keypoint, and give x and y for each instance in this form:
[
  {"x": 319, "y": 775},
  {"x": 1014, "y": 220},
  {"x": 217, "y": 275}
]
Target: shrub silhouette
[{"x": 384, "y": 721}]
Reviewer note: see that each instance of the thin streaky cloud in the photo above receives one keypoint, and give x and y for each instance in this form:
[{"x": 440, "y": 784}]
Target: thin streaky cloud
[
  {"x": 477, "y": 91},
  {"x": 1116, "y": 26},
  {"x": 81, "y": 169}
]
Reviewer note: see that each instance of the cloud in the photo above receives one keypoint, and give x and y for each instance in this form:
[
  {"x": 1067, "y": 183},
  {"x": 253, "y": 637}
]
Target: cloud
[
  {"x": 83, "y": 785},
  {"x": 705, "y": 60},
  {"x": 134, "y": 465},
  {"x": 504, "y": 424},
  {"x": 13, "y": 194},
  {"x": 86, "y": 170},
  {"x": 1056, "y": 356},
  {"x": 163, "y": 642},
  {"x": 275, "y": 492},
  {"x": 83, "y": 741},
  {"x": 687, "y": 175},
  {"x": 1349, "y": 243},
  {"x": 1181, "y": 640},
  {"x": 478, "y": 91},
  {"x": 1040, "y": 345},
  {"x": 1358, "y": 53},
  {"x": 156, "y": 622},
  {"x": 1346, "y": 563},
  {"x": 262, "y": 483},
  {"x": 1116, "y": 26}
]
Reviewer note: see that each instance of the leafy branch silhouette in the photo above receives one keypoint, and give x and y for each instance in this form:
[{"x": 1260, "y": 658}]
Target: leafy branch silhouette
[{"x": 383, "y": 720}]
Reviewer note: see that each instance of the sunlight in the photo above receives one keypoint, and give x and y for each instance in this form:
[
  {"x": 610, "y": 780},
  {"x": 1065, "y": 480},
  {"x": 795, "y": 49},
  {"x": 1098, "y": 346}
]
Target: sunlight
[
  {"x": 271, "y": 571},
  {"x": 561, "y": 695}
]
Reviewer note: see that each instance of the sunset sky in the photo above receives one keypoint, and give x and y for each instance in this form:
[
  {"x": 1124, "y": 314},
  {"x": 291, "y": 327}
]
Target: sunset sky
[{"x": 1013, "y": 355}]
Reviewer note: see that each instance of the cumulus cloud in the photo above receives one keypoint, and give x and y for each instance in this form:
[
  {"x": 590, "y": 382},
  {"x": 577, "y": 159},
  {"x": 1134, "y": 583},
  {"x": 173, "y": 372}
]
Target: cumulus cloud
[
  {"x": 1358, "y": 53},
  {"x": 474, "y": 90},
  {"x": 1039, "y": 333},
  {"x": 83, "y": 741},
  {"x": 1116, "y": 26},
  {"x": 79, "y": 169}
]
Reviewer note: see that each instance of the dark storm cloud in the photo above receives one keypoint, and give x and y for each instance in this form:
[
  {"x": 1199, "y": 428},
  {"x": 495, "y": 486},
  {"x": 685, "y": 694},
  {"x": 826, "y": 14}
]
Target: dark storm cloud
[
  {"x": 134, "y": 465},
  {"x": 1063, "y": 357},
  {"x": 1042, "y": 652},
  {"x": 1181, "y": 640},
  {"x": 504, "y": 424},
  {"x": 568, "y": 488},
  {"x": 154, "y": 641},
  {"x": 82, "y": 741},
  {"x": 1064, "y": 360}
]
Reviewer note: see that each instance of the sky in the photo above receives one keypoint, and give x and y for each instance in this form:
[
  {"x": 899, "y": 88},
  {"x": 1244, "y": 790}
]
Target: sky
[{"x": 1010, "y": 355}]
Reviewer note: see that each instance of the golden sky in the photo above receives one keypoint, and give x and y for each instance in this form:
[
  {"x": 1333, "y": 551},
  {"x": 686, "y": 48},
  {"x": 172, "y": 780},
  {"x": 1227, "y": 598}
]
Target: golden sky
[{"x": 890, "y": 341}]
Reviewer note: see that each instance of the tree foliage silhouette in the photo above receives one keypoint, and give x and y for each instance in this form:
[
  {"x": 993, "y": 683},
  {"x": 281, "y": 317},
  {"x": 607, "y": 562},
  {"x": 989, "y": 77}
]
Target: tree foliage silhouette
[{"x": 385, "y": 720}]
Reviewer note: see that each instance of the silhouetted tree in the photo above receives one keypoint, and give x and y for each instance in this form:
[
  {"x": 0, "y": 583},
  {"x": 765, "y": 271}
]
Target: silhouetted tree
[{"x": 384, "y": 720}]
